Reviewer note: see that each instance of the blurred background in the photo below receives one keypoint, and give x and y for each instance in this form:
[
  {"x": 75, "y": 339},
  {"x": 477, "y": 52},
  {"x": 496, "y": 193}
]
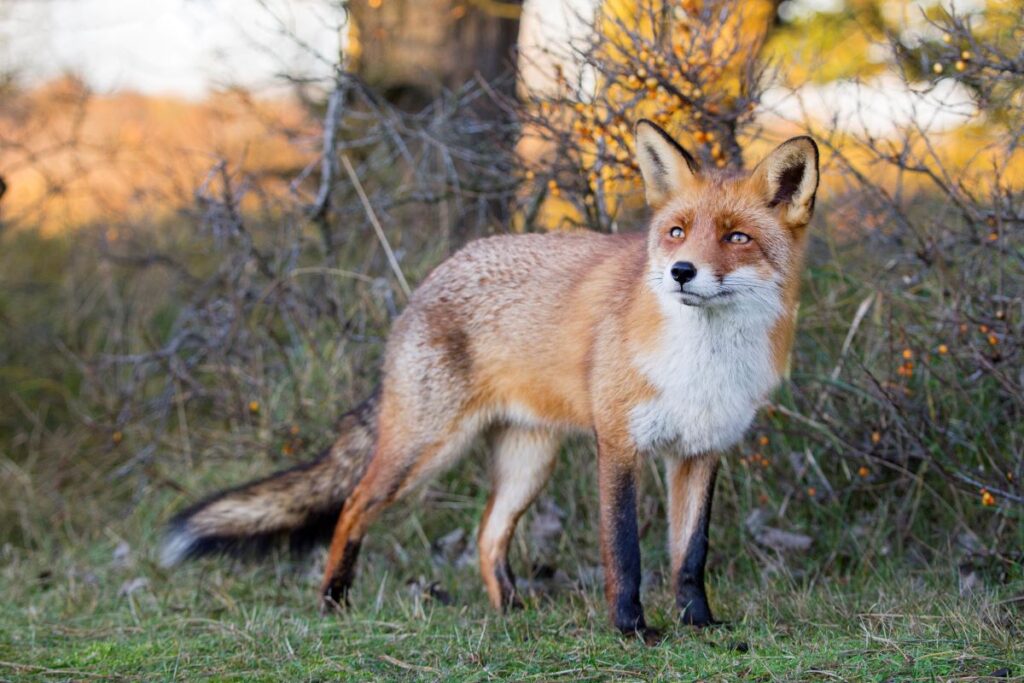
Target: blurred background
[{"x": 199, "y": 199}]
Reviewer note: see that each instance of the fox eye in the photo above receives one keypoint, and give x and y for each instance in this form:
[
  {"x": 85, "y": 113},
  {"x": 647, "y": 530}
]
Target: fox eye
[
  {"x": 676, "y": 232},
  {"x": 737, "y": 237}
]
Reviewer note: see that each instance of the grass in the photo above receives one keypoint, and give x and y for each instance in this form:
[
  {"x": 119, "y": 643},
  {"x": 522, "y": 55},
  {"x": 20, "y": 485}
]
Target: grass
[
  {"x": 220, "y": 622},
  {"x": 97, "y": 606}
]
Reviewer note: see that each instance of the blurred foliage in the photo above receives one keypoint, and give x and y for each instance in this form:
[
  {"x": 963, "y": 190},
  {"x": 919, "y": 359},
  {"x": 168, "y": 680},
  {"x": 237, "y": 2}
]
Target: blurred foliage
[
  {"x": 73, "y": 158},
  {"x": 823, "y": 46},
  {"x": 821, "y": 42}
]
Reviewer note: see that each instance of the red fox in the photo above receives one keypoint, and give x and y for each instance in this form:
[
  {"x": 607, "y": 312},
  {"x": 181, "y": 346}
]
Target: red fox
[{"x": 660, "y": 344}]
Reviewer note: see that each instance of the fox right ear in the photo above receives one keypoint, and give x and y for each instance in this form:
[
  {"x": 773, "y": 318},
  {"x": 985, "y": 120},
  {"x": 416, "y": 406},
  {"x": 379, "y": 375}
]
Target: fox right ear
[{"x": 667, "y": 168}]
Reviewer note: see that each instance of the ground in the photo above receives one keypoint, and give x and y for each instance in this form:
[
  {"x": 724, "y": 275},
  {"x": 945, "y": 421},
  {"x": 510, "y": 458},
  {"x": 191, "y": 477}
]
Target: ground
[{"x": 102, "y": 608}]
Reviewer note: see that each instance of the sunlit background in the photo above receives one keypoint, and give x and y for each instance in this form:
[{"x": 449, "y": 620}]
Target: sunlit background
[
  {"x": 159, "y": 72},
  {"x": 189, "y": 48}
]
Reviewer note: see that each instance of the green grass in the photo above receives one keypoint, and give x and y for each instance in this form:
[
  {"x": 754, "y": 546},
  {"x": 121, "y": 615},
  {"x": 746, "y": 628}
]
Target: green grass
[{"x": 67, "y": 614}]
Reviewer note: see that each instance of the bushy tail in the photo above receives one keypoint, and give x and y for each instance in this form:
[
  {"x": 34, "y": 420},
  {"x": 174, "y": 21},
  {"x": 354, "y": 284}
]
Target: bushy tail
[{"x": 300, "y": 504}]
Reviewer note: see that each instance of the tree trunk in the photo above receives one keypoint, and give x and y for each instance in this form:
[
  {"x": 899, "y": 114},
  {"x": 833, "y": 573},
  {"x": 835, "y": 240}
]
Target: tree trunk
[{"x": 411, "y": 49}]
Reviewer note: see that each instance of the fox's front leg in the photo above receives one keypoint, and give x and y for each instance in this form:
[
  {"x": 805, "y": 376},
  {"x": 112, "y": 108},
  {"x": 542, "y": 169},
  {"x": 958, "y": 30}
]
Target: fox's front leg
[
  {"x": 620, "y": 540},
  {"x": 691, "y": 488}
]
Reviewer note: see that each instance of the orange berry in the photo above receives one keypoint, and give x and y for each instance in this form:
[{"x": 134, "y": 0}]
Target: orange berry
[
  {"x": 987, "y": 499},
  {"x": 983, "y": 329},
  {"x": 960, "y": 65},
  {"x": 863, "y": 471},
  {"x": 966, "y": 54},
  {"x": 993, "y": 236},
  {"x": 116, "y": 437},
  {"x": 875, "y": 437},
  {"x": 811, "y": 491},
  {"x": 907, "y": 354},
  {"x": 937, "y": 68},
  {"x": 254, "y": 406},
  {"x": 943, "y": 349},
  {"x": 993, "y": 339},
  {"x": 763, "y": 440}
]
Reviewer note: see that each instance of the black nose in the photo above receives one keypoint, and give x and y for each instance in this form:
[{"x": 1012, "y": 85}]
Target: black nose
[{"x": 683, "y": 272}]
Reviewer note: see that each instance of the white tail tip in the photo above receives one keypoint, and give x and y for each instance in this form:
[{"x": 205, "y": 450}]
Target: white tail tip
[{"x": 176, "y": 547}]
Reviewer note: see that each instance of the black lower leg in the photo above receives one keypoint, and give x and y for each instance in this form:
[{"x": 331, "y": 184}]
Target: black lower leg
[
  {"x": 336, "y": 590},
  {"x": 622, "y": 555},
  {"x": 507, "y": 582},
  {"x": 691, "y": 598}
]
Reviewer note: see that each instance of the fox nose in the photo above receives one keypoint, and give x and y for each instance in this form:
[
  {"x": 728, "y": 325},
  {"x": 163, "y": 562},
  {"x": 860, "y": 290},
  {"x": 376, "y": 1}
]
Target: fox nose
[{"x": 683, "y": 271}]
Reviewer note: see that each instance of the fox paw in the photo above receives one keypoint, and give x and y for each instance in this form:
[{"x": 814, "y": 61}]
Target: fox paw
[{"x": 334, "y": 598}]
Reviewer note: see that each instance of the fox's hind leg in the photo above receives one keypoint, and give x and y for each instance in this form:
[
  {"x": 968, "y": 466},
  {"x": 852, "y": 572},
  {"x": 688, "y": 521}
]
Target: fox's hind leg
[
  {"x": 411, "y": 448},
  {"x": 523, "y": 460}
]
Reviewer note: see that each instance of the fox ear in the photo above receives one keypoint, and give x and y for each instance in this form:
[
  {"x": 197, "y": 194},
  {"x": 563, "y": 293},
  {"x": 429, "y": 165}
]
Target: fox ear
[
  {"x": 666, "y": 167},
  {"x": 788, "y": 178}
]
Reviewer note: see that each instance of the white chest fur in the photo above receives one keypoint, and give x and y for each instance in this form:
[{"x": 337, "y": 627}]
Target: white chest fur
[{"x": 712, "y": 371}]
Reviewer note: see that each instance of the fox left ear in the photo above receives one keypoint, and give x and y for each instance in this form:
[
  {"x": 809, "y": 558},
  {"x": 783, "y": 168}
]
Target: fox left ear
[{"x": 788, "y": 178}]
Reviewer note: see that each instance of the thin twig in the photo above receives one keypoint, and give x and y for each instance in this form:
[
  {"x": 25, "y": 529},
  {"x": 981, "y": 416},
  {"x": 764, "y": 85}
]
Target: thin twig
[{"x": 392, "y": 261}]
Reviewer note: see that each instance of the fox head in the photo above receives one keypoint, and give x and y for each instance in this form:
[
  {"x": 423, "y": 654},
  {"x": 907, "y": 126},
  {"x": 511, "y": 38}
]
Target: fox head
[{"x": 726, "y": 242}]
